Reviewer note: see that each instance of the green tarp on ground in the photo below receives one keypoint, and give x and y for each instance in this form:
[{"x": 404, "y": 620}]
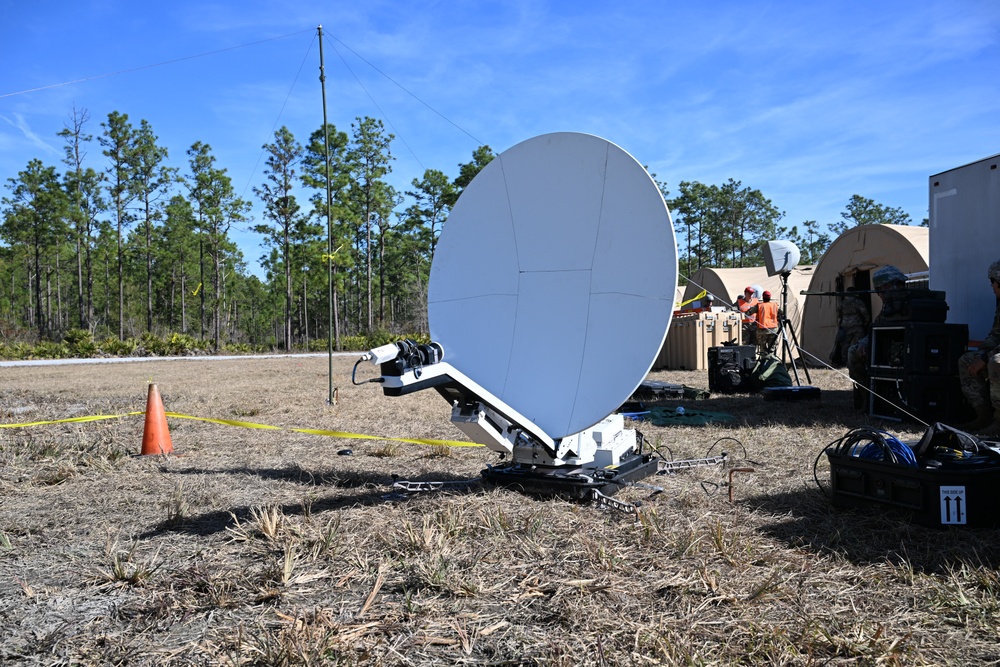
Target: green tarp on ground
[{"x": 670, "y": 417}]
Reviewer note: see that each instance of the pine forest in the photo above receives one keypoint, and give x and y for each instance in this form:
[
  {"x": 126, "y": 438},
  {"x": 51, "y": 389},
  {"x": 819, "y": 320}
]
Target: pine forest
[{"x": 113, "y": 249}]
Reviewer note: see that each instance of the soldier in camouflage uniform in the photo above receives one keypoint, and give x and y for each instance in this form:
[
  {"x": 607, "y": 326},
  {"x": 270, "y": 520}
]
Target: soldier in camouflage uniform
[
  {"x": 979, "y": 372},
  {"x": 854, "y": 322},
  {"x": 890, "y": 283}
]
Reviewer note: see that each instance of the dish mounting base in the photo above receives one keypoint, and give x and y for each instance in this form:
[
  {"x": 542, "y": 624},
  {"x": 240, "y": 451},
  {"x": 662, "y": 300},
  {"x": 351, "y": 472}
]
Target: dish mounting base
[{"x": 577, "y": 483}]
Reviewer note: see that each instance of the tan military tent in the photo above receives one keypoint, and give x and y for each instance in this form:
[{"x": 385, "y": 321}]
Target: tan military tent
[
  {"x": 849, "y": 261},
  {"x": 727, "y": 284}
]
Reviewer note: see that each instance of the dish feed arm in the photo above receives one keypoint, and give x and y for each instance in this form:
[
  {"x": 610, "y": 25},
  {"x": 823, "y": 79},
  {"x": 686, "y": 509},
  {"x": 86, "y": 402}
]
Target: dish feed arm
[{"x": 408, "y": 367}]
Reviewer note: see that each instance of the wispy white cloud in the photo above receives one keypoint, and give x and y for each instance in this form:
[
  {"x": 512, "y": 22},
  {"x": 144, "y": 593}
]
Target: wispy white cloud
[{"x": 19, "y": 122}]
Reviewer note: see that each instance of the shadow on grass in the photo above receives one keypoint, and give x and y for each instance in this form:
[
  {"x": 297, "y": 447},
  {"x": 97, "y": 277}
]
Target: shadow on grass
[
  {"x": 868, "y": 536},
  {"x": 835, "y": 406},
  {"x": 374, "y": 489},
  {"x": 298, "y": 474}
]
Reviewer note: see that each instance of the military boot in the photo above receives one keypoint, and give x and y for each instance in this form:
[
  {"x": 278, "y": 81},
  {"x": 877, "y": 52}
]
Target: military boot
[{"x": 984, "y": 418}]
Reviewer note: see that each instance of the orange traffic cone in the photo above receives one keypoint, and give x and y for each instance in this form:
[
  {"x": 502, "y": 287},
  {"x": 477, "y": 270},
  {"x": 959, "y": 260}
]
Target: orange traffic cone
[{"x": 155, "y": 435}]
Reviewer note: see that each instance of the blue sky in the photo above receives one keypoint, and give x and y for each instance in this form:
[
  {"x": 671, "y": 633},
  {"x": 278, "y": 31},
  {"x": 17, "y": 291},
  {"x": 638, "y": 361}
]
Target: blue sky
[{"x": 809, "y": 102}]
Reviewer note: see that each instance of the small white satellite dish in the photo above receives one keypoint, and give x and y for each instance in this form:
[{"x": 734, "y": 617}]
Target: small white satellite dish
[
  {"x": 553, "y": 280},
  {"x": 780, "y": 257}
]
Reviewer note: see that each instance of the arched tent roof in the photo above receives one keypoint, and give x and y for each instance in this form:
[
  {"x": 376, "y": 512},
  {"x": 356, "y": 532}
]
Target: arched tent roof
[
  {"x": 727, "y": 284},
  {"x": 849, "y": 261}
]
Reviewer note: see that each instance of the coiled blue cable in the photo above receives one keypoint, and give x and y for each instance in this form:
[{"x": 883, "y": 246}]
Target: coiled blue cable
[{"x": 883, "y": 446}]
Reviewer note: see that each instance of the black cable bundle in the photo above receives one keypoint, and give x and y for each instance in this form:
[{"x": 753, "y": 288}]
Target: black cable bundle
[
  {"x": 875, "y": 445},
  {"x": 867, "y": 443}
]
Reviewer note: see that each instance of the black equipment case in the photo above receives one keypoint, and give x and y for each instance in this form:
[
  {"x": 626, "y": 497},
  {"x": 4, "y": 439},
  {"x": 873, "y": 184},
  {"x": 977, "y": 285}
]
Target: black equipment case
[
  {"x": 937, "y": 497},
  {"x": 725, "y": 359}
]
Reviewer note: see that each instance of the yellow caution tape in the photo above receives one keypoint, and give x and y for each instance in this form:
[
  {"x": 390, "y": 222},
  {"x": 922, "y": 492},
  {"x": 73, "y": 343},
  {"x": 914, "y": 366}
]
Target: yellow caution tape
[
  {"x": 700, "y": 295},
  {"x": 242, "y": 424},
  {"x": 91, "y": 418},
  {"x": 416, "y": 441},
  {"x": 224, "y": 422},
  {"x": 324, "y": 432}
]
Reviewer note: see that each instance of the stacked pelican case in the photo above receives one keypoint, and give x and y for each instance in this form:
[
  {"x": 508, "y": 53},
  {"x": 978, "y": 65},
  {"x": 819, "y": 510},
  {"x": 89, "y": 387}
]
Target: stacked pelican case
[
  {"x": 947, "y": 478},
  {"x": 914, "y": 363}
]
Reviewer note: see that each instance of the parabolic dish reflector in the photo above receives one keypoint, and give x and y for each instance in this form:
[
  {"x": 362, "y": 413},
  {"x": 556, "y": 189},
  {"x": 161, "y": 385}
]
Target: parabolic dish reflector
[{"x": 553, "y": 280}]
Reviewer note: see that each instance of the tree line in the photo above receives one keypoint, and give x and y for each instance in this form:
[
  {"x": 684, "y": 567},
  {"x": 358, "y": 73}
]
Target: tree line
[
  {"x": 726, "y": 226},
  {"x": 124, "y": 244}
]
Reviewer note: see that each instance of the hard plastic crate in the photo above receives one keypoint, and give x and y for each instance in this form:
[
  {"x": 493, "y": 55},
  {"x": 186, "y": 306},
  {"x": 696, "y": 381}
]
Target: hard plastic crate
[
  {"x": 654, "y": 390},
  {"x": 691, "y": 334},
  {"x": 925, "y": 305},
  {"x": 935, "y": 497},
  {"x": 744, "y": 355},
  {"x": 927, "y": 398},
  {"x": 685, "y": 338},
  {"x": 928, "y": 310},
  {"x": 724, "y": 328},
  {"x": 918, "y": 348}
]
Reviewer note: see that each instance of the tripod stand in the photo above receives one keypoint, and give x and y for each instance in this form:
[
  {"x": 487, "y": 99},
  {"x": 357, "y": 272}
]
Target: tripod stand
[{"x": 789, "y": 342}]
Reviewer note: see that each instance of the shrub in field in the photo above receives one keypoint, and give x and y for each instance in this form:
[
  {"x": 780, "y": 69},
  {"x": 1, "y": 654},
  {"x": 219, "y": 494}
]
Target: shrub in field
[
  {"x": 379, "y": 338},
  {"x": 153, "y": 344},
  {"x": 182, "y": 344},
  {"x": 238, "y": 348},
  {"x": 21, "y": 350},
  {"x": 80, "y": 343},
  {"x": 47, "y": 349},
  {"x": 354, "y": 343},
  {"x": 119, "y": 348}
]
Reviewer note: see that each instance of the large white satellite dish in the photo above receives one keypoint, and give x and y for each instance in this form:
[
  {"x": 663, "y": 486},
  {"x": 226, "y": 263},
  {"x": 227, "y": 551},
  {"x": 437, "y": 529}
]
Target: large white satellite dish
[{"x": 553, "y": 281}]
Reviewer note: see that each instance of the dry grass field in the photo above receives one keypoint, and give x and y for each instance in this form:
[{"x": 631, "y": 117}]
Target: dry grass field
[{"x": 267, "y": 547}]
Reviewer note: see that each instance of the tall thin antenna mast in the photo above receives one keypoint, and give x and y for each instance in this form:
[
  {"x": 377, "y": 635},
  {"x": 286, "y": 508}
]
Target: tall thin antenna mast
[{"x": 333, "y": 326}]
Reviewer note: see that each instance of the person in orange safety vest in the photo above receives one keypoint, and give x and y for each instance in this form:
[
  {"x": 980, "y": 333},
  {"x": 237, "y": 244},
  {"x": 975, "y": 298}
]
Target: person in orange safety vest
[
  {"x": 745, "y": 302},
  {"x": 766, "y": 315}
]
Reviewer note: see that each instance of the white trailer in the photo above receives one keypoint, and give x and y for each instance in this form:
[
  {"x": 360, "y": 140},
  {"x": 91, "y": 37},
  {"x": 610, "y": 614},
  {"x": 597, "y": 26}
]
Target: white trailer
[{"x": 964, "y": 207}]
